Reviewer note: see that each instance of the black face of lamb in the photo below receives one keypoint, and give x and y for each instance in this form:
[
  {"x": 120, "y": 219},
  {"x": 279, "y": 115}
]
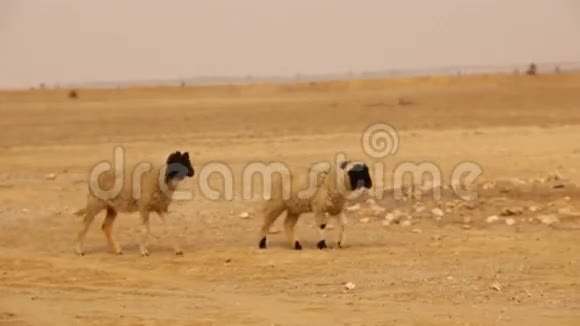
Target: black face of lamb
[
  {"x": 178, "y": 166},
  {"x": 359, "y": 177}
]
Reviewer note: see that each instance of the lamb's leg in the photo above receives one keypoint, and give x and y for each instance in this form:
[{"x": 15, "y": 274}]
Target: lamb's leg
[
  {"x": 168, "y": 223},
  {"x": 321, "y": 221},
  {"x": 342, "y": 224},
  {"x": 92, "y": 209},
  {"x": 289, "y": 226},
  {"x": 145, "y": 229},
  {"x": 108, "y": 230},
  {"x": 270, "y": 215}
]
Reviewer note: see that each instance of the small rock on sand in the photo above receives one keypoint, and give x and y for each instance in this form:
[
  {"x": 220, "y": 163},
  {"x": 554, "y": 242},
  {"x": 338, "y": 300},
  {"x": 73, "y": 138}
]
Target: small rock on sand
[
  {"x": 437, "y": 212},
  {"x": 350, "y": 286},
  {"x": 365, "y": 220},
  {"x": 547, "y": 219},
  {"x": 470, "y": 205},
  {"x": 417, "y": 231},
  {"x": 491, "y": 219},
  {"x": 406, "y": 223},
  {"x": 567, "y": 212},
  {"x": 420, "y": 209},
  {"x": 25, "y": 210},
  {"x": 510, "y": 221},
  {"x": 353, "y": 208},
  {"x": 244, "y": 215},
  {"x": 50, "y": 176},
  {"x": 495, "y": 286},
  {"x": 511, "y": 211},
  {"x": 378, "y": 210}
]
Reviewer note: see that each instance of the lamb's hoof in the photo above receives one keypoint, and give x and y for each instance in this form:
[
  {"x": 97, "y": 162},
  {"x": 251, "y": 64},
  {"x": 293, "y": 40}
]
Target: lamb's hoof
[
  {"x": 80, "y": 253},
  {"x": 144, "y": 253},
  {"x": 297, "y": 246},
  {"x": 119, "y": 253},
  {"x": 339, "y": 245},
  {"x": 262, "y": 244},
  {"x": 321, "y": 244},
  {"x": 179, "y": 253}
]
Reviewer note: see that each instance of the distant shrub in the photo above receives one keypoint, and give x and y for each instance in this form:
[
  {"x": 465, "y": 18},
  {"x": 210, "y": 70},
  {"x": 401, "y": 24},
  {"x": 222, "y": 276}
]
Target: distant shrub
[
  {"x": 73, "y": 94},
  {"x": 402, "y": 101},
  {"x": 532, "y": 69}
]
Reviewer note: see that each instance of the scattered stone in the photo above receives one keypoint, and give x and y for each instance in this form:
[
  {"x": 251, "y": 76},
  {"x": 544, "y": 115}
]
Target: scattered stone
[
  {"x": 567, "y": 212},
  {"x": 350, "y": 286},
  {"x": 437, "y": 212},
  {"x": 50, "y": 177},
  {"x": 420, "y": 208},
  {"x": 378, "y": 210},
  {"x": 245, "y": 215},
  {"x": 406, "y": 223},
  {"x": 548, "y": 219},
  {"x": 448, "y": 210},
  {"x": 510, "y": 221},
  {"x": 466, "y": 227},
  {"x": 491, "y": 219},
  {"x": 533, "y": 208},
  {"x": 488, "y": 185},
  {"x": 467, "y": 220},
  {"x": 25, "y": 210},
  {"x": 496, "y": 286},
  {"x": 353, "y": 208},
  {"x": 470, "y": 205},
  {"x": 386, "y": 223},
  {"x": 436, "y": 237},
  {"x": 365, "y": 220},
  {"x": 511, "y": 211},
  {"x": 567, "y": 198},
  {"x": 417, "y": 231},
  {"x": 450, "y": 278},
  {"x": 390, "y": 217}
]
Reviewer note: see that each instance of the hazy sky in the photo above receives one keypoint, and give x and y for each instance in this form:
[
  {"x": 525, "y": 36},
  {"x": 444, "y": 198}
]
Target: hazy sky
[{"x": 106, "y": 40}]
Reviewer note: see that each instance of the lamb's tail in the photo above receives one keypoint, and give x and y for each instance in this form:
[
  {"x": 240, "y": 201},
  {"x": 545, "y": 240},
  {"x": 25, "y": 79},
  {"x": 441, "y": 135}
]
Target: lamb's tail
[{"x": 80, "y": 212}]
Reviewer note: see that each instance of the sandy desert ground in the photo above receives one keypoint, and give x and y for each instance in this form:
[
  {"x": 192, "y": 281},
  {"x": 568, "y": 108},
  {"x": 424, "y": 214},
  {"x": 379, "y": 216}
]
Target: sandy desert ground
[{"x": 457, "y": 269}]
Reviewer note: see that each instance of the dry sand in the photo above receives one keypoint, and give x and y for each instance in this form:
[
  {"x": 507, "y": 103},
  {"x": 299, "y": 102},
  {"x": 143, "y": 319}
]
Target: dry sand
[{"x": 458, "y": 270}]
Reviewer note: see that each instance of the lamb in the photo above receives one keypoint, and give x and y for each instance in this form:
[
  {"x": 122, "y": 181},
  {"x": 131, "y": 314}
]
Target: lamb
[
  {"x": 327, "y": 198},
  {"x": 152, "y": 193}
]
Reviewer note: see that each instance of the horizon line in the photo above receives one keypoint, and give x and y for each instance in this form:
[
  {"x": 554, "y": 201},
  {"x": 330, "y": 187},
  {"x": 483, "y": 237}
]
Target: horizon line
[{"x": 215, "y": 80}]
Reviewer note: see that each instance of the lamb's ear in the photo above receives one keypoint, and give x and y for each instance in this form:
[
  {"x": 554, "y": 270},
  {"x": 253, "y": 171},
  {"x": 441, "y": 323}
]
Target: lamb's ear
[
  {"x": 343, "y": 164},
  {"x": 173, "y": 157},
  {"x": 186, "y": 155}
]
